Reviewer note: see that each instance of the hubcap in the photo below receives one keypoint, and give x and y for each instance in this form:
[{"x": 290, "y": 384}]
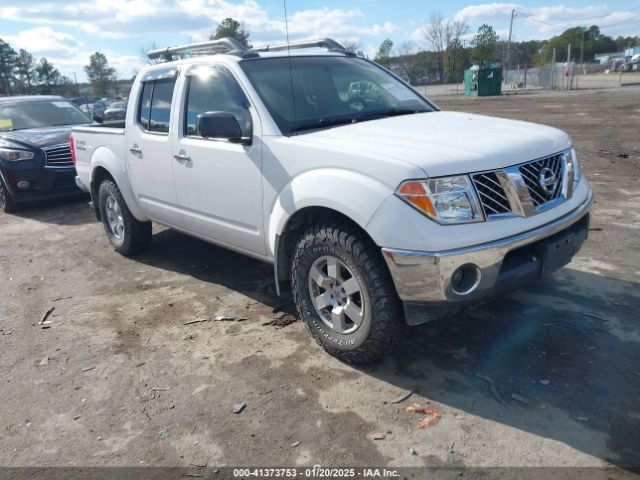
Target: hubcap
[
  {"x": 336, "y": 294},
  {"x": 114, "y": 217}
]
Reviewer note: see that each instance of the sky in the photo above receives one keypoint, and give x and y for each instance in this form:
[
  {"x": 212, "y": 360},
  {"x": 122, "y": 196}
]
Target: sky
[{"x": 67, "y": 32}]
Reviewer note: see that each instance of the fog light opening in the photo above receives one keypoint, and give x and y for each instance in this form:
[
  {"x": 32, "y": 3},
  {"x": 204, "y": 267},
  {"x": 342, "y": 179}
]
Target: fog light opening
[
  {"x": 23, "y": 184},
  {"x": 465, "y": 279}
]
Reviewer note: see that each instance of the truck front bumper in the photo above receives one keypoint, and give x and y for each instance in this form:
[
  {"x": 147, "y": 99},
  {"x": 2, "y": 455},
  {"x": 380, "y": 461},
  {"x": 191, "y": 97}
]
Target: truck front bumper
[{"x": 440, "y": 280}]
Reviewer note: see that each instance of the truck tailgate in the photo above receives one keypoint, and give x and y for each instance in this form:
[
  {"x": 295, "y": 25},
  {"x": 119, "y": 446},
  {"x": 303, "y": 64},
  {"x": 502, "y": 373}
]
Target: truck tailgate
[{"x": 94, "y": 144}]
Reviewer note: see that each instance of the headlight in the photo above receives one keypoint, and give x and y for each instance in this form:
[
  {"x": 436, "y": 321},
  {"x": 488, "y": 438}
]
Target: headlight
[
  {"x": 576, "y": 167},
  {"x": 447, "y": 200},
  {"x": 572, "y": 168},
  {"x": 15, "y": 155}
]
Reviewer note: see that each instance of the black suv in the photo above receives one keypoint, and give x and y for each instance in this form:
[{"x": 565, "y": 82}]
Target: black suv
[{"x": 35, "y": 155}]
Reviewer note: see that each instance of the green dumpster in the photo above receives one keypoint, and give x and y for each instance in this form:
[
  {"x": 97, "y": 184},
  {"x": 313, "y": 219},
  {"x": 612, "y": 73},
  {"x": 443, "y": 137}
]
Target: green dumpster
[{"x": 482, "y": 83}]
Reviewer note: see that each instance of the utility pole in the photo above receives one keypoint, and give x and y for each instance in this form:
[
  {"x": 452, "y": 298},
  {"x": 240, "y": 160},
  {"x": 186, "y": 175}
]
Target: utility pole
[
  {"x": 582, "y": 48},
  {"x": 554, "y": 69},
  {"x": 75, "y": 77},
  {"x": 506, "y": 66},
  {"x": 569, "y": 72}
]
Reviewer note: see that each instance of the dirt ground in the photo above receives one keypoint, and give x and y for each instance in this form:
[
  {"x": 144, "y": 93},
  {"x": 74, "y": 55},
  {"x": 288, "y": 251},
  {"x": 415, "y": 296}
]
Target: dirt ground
[{"x": 547, "y": 376}]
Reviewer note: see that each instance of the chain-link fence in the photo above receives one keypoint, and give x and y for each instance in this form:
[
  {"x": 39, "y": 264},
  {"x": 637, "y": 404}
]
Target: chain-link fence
[
  {"x": 568, "y": 76},
  {"x": 559, "y": 76}
]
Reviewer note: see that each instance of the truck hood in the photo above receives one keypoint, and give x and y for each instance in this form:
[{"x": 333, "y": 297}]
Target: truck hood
[
  {"x": 36, "y": 137},
  {"x": 448, "y": 143}
]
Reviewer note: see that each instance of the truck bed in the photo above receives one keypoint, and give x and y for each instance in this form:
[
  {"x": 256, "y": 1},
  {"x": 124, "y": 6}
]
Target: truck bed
[
  {"x": 99, "y": 144},
  {"x": 115, "y": 127}
]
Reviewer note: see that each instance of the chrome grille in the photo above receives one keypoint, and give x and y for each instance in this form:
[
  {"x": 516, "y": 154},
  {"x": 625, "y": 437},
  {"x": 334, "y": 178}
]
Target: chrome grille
[
  {"x": 58, "y": 156},
  {"x": 492, "y": 196},
  {"x": 523, "y": 189},
  {"x": 531, "y": 174}
]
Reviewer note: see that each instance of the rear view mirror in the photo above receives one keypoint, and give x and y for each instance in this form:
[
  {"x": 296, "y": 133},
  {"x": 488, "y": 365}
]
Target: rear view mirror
[{"x": 221, "y": 126}]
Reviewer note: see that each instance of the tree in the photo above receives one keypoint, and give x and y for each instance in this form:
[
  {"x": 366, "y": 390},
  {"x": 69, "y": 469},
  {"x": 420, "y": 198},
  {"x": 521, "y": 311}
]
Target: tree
[
  {"x": 100, "y": 74},
  {"x": 26, "y": 71},
  {"x": 622, "y": 43},
  {"x": 384, "y": 53},
  {"x": 484, "y": 44},
  {"x": 540, "y": 55},
  {"x": 594, "y": 42},
  {"x": 353, "y": 46},
  {"x": 444, "y": 38},
  {"x": 455, "y": 58},
  {"x": 143, "y": 52},
  {"x": 48, "y": 75},
  {"x": 232, "y": 29},
  {"x": 434, "y": 33},
  {"x": 8, "y": 58},
  {"x": 409, "y": 62}
]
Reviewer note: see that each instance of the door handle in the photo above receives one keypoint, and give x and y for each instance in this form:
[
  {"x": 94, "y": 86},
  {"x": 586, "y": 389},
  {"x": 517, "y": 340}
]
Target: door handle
[
  {"x": 179, "y": 157},
  {"x": 135, "y": 150}
]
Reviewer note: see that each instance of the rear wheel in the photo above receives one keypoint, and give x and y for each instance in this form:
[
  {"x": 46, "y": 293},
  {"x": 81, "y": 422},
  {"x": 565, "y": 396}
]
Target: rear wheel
[
  {"x": 344, "y": 293},
  {"x": 126, "y": 234},
  {"x": 7, "y": 204}
]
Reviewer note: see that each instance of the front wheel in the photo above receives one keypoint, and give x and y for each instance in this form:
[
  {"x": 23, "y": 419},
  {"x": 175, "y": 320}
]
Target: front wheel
[
  {"x": 344, "y": 293},
  {"x": 126, "y": 234}
]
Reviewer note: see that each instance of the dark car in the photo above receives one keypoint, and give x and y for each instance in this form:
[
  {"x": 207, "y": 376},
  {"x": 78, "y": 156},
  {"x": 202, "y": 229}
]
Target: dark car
[
  {"x": 99, "y": 108},
  {"x": 115, "y": 111},
  {"x": 35, "y": 155}
]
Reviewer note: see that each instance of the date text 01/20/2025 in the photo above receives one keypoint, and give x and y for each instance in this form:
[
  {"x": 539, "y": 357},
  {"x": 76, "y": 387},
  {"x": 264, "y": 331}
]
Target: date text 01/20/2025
[{"x": 314, "y": 472}]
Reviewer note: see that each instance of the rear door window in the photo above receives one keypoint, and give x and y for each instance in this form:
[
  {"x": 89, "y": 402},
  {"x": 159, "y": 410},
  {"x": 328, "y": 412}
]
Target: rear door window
[
  {"x": 155, "y": 105},
  {"x": 145, "y": 105},
  {"x": 161, "y": 106}
]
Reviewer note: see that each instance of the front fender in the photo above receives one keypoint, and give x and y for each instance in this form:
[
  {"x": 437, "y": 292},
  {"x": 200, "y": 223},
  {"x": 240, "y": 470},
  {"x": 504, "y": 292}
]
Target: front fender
[
  {"x": 351, "y": 193},
  {"x": 105, "y": 158}
]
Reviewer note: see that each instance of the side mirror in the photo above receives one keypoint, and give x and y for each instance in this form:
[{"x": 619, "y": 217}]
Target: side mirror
[
  {"x": 221, "y": 126},
  {"x": 98, "y": 119}
]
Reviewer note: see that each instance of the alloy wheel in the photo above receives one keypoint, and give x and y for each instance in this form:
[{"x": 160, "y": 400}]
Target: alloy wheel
[
  {"x": 114, "y": 217},
  {"x": 336, "y": 294}
]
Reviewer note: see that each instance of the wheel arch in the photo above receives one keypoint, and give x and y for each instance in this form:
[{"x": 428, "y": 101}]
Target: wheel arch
[
  {"x": 338, "y": 193},
  {"x": 99, "y": 175},
  {"x": 105, "y": 165},
  {"x": 286, "y": 239}
]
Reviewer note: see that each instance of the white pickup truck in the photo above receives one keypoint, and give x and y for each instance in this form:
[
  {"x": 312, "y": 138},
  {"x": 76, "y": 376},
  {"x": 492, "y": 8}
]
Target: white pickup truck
[{"x": 375, "y": 208}]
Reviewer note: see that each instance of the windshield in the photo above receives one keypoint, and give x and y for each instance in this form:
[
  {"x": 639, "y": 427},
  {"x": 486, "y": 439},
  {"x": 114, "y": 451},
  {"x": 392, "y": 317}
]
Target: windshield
[
  {"x": 37, "y": 114},
  {"x": 324, "y": 91}
]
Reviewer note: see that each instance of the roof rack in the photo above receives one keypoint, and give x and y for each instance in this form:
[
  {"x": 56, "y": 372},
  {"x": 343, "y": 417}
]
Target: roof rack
[
  {"x": 328, "y": 43},
  {"x": 231, "y": 46},
  {"x": 224, "y": 45}
]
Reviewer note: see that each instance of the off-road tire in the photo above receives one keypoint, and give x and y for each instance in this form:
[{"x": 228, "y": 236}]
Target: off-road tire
[
  {"x": 7, "y": 203},
  {"x": 137, "y": 234},
  {"x": 383, "y": 325}
]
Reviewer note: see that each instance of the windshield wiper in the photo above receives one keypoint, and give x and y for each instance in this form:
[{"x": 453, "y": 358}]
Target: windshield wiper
[
  {"x": 322, "y": 123},
  {"x": 390, "y": 112},
  {"x": 330, "y": 122}
]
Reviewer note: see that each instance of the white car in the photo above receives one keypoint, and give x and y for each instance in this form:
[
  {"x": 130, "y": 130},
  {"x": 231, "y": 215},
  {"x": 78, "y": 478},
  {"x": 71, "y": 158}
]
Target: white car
[{"x": 376, "y": 210}]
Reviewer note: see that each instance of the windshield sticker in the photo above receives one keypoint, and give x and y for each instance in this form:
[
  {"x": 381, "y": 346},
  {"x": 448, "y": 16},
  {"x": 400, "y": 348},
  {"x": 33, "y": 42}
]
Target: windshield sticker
[
  {"x": 399, "y": 91},
  {"x": 6, "y": 123},
  {"x": 62, "y": 105}
]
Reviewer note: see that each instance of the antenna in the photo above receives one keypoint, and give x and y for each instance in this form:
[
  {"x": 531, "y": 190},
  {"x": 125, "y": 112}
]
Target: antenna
[{"x": 286, "y": 25}]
